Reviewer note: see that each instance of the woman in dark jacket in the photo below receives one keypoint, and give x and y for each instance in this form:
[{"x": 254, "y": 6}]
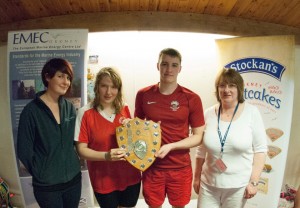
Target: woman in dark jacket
[{"x": 45, "y": 142}]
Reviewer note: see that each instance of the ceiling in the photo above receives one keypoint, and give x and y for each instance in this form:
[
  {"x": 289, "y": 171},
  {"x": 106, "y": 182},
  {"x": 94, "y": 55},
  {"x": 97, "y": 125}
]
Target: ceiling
[
  {"x": 284, "y": 12},
  {"x": 279, "y": 12}
]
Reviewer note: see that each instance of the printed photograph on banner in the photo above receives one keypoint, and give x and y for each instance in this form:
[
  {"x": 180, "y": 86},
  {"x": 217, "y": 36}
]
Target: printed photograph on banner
[
  {"x": 93, "y": 59},
  {"x": 23, "y": 89},
  {"x": 267, "y": 168},
  {"x": 263, "y": 185},
  {"x": 274, "y": 133},
  {"x": 92, "y": 70},
  {"x": 75, "y": 90},
  {"x": 273, "y": 151}
]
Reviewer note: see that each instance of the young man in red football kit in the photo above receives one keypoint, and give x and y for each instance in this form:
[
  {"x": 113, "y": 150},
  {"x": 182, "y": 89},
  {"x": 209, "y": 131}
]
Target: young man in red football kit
[{"x": 177, "y": 108}]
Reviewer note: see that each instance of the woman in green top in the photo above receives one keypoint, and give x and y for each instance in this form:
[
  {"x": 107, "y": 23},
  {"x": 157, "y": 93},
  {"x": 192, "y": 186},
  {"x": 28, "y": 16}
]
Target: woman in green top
[{"x": 45, "y": 143}]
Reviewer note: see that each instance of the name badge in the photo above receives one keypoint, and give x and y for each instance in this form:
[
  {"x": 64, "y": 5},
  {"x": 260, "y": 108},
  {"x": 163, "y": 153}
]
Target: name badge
[{"x": 221, "y": 165}]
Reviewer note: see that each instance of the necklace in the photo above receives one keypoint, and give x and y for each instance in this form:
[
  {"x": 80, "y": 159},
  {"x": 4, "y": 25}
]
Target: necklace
[
  {"x": 226, "y": 114},
  {"x": 108, "y": 115}
]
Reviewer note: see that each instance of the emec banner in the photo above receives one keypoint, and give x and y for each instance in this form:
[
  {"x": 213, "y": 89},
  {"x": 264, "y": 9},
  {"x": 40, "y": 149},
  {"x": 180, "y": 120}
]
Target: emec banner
[{"x": 28, "y": 51}]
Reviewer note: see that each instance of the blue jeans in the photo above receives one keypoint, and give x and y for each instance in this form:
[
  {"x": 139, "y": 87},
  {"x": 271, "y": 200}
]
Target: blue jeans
[{"x": 65, "y": 198}]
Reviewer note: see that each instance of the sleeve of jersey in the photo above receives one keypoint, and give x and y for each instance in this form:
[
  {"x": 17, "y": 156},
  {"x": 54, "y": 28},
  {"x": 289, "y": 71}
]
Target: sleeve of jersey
[
  {"x": 196, "y": 117},
  {"x": 127, "y": 112},
  {"x": 81, "y": 134},
  {"x": 259, "y": 132},
  {"x": 138, "y": 111}
]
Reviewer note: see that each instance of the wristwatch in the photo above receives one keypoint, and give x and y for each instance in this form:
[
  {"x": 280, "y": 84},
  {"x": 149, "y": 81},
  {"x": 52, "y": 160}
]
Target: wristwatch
[{"x": 254, "y": 183}]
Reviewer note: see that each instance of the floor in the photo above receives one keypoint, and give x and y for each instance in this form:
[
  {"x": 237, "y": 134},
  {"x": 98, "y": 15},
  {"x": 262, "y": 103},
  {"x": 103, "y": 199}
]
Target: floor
[{"x": 141, "y": 204}]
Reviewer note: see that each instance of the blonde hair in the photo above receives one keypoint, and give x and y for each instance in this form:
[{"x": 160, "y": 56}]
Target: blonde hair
[{"x": 116, "y": 79}]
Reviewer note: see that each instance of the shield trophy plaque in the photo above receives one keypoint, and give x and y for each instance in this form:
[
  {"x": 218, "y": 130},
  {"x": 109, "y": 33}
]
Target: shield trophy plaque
[{"x": 141, "y": 139}]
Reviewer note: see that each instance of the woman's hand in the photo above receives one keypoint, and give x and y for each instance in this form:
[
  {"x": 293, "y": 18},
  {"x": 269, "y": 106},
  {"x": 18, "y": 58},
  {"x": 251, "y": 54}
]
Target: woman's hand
[
  {"x": 196, "y": 185},
  {"x": 116, "y": 154},
  {"x": 164, "y": 150},
  {"x": 250, "y": 191},
  {"x": 125, "y": 121}
]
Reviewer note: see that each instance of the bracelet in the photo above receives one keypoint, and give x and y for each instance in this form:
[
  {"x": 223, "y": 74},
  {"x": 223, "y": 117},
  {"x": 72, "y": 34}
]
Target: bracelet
[
  {"x": 254, "y": 183},
  {"x": 106, "y": 156}
]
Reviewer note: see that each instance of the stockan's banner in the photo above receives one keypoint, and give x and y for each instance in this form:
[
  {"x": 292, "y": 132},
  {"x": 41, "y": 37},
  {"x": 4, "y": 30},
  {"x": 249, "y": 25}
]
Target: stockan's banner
[
  {"x": 267, "y": 66},
  {"x": 28, "y": 51}
]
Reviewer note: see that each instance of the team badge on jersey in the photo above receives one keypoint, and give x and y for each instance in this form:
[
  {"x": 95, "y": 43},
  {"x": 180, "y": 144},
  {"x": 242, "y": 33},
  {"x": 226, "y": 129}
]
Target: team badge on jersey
[{"x": 174, "y": 105}]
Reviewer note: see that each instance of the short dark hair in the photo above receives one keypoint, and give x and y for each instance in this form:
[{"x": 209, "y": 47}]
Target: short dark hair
[
  {"x": 171, "y": 52},
  {"x": 54, "y": 65},
  {"x": 230, "y": 76}
]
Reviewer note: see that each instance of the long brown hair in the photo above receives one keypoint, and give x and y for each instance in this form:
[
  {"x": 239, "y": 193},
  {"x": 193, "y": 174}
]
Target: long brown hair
[{"x": 116, "y": 79}]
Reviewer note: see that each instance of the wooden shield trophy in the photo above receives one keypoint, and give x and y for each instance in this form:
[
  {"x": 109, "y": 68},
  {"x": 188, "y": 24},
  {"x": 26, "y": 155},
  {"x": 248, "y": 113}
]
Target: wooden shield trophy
[{"x": 141, "y": 139}]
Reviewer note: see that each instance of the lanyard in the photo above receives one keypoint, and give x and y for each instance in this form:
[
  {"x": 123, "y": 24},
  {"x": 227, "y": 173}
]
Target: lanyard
[{"x": 222, "y": 140}]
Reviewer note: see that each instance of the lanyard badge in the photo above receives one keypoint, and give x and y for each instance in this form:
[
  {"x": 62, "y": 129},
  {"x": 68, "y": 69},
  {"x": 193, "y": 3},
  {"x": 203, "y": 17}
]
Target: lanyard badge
[{"x": 219, "y": 162}]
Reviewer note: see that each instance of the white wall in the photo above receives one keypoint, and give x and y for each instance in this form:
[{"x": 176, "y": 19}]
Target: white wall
[{"x": 135, "y": 54}]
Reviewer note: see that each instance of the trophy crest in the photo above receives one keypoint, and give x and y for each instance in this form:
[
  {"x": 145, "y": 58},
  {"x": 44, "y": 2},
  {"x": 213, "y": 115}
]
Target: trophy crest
[{"x": 141, "y": 139}]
